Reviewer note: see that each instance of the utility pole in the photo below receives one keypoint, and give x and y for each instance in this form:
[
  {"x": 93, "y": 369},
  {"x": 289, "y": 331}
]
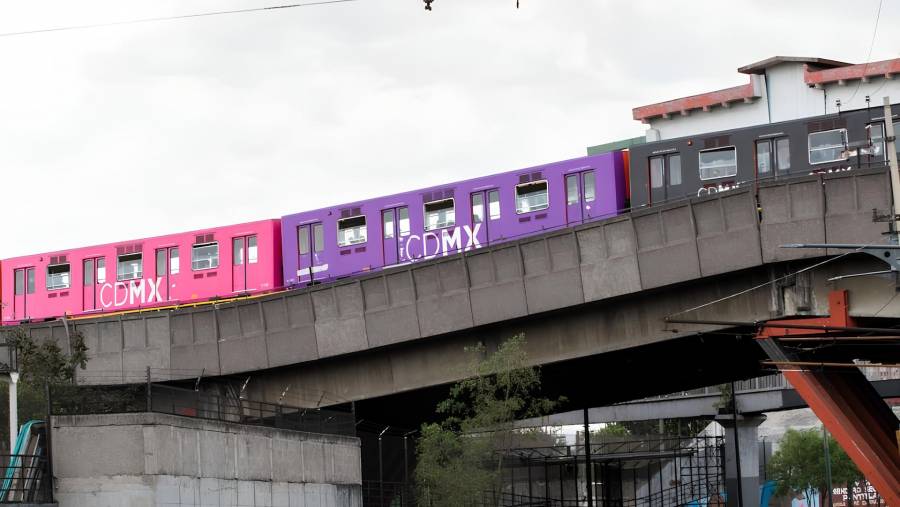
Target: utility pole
[
  {"x": 14, "y": 411},
  {"x": 890, "y": 154},
  {"x": 829, "y": 498}
]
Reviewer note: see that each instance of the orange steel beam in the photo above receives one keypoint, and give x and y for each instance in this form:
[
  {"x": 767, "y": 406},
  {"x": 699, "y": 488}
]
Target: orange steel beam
[{"x": 845, "y": 402}]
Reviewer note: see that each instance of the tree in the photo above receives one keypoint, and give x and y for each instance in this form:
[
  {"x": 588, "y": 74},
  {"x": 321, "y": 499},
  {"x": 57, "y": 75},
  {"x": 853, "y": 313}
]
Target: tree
[
  {"x": 460, "y": 458},
  {"x": 39, "y": 364},
  {"x": 799, "y": 464}
]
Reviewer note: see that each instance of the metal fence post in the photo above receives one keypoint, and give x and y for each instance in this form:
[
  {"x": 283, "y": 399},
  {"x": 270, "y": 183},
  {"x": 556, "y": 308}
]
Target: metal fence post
[{"x": 49, "y": 430}]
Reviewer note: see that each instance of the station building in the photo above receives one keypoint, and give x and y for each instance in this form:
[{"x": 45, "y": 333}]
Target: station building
[{"x": 779, "y": 88}]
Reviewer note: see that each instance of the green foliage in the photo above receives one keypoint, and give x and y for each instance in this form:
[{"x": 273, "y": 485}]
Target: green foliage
[
  {"x": 458, "y": 459},
  {"x": 38, "y": 365},
  {"x": 799, "y": 463},
  {"x": 610, "y": 431}
]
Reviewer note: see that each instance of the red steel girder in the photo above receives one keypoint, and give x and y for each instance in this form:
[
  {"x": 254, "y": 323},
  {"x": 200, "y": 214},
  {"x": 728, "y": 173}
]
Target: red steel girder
[{"x": 845, "y": 402}]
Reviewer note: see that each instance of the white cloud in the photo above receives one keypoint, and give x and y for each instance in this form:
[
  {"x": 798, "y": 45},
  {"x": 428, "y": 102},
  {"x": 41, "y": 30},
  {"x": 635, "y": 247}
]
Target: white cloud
[{"x": 129, "y": 131}]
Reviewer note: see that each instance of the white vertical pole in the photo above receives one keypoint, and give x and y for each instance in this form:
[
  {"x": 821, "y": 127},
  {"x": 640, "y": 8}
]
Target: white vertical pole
[
  {"x": 890, "y": 152},
  {"x": 13, "y": 411}
]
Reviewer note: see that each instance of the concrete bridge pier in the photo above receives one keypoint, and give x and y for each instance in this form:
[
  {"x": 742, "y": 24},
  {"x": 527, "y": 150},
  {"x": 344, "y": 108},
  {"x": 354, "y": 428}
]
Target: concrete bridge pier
[{"x": 741, "y": 459}]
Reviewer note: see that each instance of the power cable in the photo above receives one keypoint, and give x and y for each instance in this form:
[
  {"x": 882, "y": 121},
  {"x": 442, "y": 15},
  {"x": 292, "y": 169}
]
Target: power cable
[
  {"x": 170, "y": 18},
  {"x": 869, "y": 56}
]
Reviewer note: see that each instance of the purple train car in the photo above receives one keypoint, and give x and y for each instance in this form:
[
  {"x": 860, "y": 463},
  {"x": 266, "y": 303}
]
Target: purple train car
[{"x": 336, "y": 242}]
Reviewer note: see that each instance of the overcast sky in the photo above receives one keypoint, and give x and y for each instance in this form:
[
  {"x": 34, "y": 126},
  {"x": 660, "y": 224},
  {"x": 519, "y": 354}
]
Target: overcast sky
[{"x": 131, "y": 131}]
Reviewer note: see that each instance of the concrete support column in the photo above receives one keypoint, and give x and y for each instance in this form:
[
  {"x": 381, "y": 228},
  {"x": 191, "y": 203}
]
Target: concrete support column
[
  {"x": 13, "y": 411},
  {"x": 747, "y": 485}
]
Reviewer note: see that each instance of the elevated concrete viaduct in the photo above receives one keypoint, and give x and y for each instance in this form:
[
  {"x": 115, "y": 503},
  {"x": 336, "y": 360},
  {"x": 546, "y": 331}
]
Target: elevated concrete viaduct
[{"x": 591, "y": 300}]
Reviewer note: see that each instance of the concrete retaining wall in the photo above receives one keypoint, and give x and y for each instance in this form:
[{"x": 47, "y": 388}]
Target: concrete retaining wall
[{"x": 152, "y": 459}]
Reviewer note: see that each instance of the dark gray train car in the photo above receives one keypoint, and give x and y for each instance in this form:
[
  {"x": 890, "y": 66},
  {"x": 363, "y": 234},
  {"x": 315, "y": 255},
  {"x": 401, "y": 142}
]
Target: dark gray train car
[{"x": 718, "y": 161}]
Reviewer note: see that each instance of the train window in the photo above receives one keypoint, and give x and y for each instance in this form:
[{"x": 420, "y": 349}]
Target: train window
[
  {"x": 237, "y": 251},
  {"x": 303, "y": 239},
  {"x": 783, "y": 154},
  {"x": 763, "y": 157},
  {"x": 494, "y": 204},
  {"x": 130, "y": 267},
  {"x": 161, "y": 262},
  {"x": 827, "y": 146},
  {"x": 58, "y": 276},
  {"x": 318, "y": 237},
  {"x": 252, "y": 250},
  {"x": 674, "y": 162},
  {"x": 589, "y": 186},
  {"x": 572, "y": 196},
  {"x": 718, "y": 163},
  {"x": 532, "y": 197},
  {"x": 88, "y": 272},
  {"x": 657, "y": 169},
  {"x": 440, "y": 214},
  {"x": 351, "y": 231},
  {"x": 387, "y": 223},
  {"x": 403, "y": 220},
  {"x": 174, "y": 264},
  {"x": 477, "y": 208},
  {"x": 101, "y": 270},
  {"x": 205, "y": 256},
  {"x": 20, "y": 281},
  {"x": 876, "y": 133}
]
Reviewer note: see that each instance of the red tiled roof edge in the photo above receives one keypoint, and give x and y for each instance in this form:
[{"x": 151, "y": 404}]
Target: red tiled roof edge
[
  {"x": 704, "y": 100},
  {"x": 858, "y": 71}
]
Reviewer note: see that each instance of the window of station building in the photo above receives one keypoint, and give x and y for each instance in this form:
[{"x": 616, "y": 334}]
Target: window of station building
[
  {"x": 351, "y": 231},
  {"x": 718, "y": 163},
  {"x": 440, "y": 214},
  {"x": 532, "y": 197},
  {"x": 827, "y": 146},
  {"x": 589, "y": 186},
  {"x": 101, "y": 270},
  {"x": 657, "y": 170},
  {"x": 205, "y": 256},
  {"x": 130, "y": 267},
  {"x": 477, "y": 208},
  {"x": 494, "y": 204},
  {"x": 572, "y": 194}
]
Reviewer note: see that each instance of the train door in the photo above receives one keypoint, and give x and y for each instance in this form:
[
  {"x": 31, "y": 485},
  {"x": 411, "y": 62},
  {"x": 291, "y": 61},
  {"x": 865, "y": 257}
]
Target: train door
[
  {"x": 665, "y": 178},
  {"x": 92, "y": 276},
  {"x": 167, "y": 264},
  {"x": 394, "y": 228},
  {"x": 485, "y": 219},
  {"x": 773, "y": 157},
  {"x": 244, "y": 255},
  {"x": 311, "y": 263},
  {"x": 580, "y": 194},
  {"x": 24, "y": 290}
]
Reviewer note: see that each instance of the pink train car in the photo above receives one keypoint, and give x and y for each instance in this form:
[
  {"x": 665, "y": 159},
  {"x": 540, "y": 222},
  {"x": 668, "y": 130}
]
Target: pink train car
[{"x": 165, "y": 270}]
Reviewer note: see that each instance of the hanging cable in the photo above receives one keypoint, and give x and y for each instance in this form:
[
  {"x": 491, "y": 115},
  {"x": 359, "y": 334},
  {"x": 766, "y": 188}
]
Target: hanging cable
[
  {"x": 869, "y": 56},
  {"x": 171, "y": 18}
]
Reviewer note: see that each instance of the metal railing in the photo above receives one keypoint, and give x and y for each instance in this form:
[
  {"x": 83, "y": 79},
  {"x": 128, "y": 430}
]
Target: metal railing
[
  {"x": 165, "y": 399},
  {"x": 26, "y": 479}
]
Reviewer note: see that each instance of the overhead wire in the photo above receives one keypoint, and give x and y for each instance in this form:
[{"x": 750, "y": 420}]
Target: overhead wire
[
  {"x": 176, "y": 17},
  {"x": 869, "y": 55}
]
